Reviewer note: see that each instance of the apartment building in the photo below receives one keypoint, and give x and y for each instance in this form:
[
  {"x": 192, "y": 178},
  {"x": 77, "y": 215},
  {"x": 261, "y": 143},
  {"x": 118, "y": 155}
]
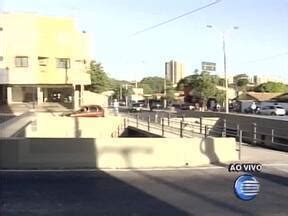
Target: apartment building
[
  {"x": 174, "y": 71},
  {"x": 42, "y": 59}
]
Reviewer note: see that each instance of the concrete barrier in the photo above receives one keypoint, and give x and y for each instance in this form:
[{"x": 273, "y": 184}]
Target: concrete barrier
[
  {"x": 49, "y": 125},
  {"x": 55, "y": 153}
]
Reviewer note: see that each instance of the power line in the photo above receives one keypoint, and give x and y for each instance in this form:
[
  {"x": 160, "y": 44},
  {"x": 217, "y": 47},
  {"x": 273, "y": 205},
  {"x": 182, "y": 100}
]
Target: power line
[
  {"x": 267, "y": 58},
  {"x": 175, "y": 18}
]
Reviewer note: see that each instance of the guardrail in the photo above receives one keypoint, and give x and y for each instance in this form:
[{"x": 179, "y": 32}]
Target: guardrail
[{"x": 180, "y": 125}]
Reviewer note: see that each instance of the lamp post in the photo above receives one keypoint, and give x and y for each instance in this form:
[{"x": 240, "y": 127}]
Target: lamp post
[
  {"x": 165, "y": 93},
  {"x": 225, "y": 64}
]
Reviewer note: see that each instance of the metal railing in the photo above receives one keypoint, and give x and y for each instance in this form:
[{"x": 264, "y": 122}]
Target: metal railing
[{"x": 180, "y": 125}]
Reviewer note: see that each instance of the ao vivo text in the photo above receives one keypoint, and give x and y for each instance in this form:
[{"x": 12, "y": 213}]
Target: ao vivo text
[{"x": 245, "y": 167}]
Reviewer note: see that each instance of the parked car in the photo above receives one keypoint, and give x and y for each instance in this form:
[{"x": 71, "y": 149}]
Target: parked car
[
  {"x": 87, "y": 111},
  {"x": 187, "y": 106},
  {"x": 122, "y": 103},
  {"x": 273, "y": 110},
  {"x": 156, "y": 105},
  {"x": 136, "y": 107}
]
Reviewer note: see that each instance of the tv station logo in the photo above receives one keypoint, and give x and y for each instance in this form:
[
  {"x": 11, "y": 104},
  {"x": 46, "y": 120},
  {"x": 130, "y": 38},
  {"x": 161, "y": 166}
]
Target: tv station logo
[{"x": 246, "y": 187}]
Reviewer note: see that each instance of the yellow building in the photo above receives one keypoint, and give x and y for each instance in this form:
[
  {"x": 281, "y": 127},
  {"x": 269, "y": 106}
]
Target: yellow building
[{"x": 42, "y": 59}]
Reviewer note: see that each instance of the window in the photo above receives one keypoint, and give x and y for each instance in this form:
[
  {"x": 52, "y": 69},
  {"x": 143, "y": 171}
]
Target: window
[
  {"x": 43, "y": 61},
  {"x": 1, "y": 58},
  {"x": 21, "y": 61},
  {"x": 62, "y": 62}
]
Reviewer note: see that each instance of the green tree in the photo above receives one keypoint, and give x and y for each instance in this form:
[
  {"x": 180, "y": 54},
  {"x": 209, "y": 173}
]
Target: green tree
[
  {"x": 242, "y": 84},
  {"x": 146, "y": 88},
  {"x": 119, "y": 87},
  {"x": 204, "y": 85},
  {"x": 99, "y": 79},
  {"x": 156, "y": 84},
  {"x": 271, "y": 87}
]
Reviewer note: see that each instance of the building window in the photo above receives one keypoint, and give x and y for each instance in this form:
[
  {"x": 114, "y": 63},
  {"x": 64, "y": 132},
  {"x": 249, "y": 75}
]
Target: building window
[
  {"x": 21, "y": 61},
  {"x": 62, "y": 62},
  {"x": 1, "y": 58},
  {"x": 43, "y": 61}
]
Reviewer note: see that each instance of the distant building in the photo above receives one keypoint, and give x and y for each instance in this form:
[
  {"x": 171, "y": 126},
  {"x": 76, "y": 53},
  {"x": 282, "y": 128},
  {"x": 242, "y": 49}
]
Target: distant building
[
  {"x": 242, "y": 77},
  {"x": 174, "y": 71},
  {"x": 257, "y": 80},
  {"x": 42, "y": 58},
  {"x": 259, "y": 96},
  {"x": 137, "y": 95}
]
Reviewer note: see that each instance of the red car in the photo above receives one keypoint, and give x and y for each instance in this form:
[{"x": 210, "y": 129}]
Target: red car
[{"x": 87, "y": 111}]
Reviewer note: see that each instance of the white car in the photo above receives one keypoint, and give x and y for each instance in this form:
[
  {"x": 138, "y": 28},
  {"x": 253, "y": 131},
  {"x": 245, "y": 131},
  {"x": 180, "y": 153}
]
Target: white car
[{"x": 273, "y": 110}]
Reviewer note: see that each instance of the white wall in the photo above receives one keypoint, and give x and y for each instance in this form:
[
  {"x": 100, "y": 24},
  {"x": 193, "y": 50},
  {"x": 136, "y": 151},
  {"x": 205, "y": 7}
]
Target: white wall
[{"x": 91, "y": 98}]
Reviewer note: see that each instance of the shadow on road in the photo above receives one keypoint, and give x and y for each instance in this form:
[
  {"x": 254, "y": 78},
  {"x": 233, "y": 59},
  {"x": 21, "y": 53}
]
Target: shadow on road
[{"x": 75, "y": 193}]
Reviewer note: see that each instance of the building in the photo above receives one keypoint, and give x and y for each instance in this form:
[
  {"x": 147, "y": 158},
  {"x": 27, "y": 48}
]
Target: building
[
  {"x": 174, "y": 71},
  {"x": 242, "y": 77},
  {"x": 261, "y": 79},
  {"x": 262, "y": 99},
  {"x": 42, "y": 59},
  {"x": 137, "y": 95}
]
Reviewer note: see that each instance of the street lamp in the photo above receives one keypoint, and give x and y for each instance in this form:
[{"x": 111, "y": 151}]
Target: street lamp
[{"x": 225, "y": 66}]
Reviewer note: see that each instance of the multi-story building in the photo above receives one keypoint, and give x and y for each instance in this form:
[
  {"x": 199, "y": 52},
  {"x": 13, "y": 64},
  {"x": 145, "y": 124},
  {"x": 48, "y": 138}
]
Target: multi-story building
[
  {"x": 174, "y": 71},
  {"x": 42, "y": 59}
]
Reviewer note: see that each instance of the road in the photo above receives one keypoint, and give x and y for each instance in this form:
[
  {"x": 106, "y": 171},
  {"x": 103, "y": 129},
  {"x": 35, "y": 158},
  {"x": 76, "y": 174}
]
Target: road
[
  {"x": 4, "y": 118},
  {"x": 199, "y": 191}
]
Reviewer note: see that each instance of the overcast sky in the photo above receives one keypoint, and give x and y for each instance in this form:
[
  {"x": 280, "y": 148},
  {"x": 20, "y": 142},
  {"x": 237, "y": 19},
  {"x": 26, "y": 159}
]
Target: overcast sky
[{"x": 258, "y": 47}]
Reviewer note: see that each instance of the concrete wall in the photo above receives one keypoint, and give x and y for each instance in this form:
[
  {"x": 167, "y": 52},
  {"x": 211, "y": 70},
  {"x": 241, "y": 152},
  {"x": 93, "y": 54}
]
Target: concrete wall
[
  {"x": 94, "y": 98},
  {"x": 46, "y": 125},
  {"x": 23, "y": 153}
]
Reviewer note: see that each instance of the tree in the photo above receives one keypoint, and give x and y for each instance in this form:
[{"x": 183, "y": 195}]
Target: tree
[
  {"x": 204, "y": 85},
  {"x": 242, "y": 84},
  {"x": 99, "y": 79},
  {"x": 271, "y": 87},
  {"x": 156, "y": 84},
  {"x": 119, "y": 87},
  {"x": 146, "y": 88}
]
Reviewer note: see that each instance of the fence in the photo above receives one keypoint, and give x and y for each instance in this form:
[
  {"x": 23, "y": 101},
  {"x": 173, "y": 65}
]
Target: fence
[{"x": 182, "y": 126}]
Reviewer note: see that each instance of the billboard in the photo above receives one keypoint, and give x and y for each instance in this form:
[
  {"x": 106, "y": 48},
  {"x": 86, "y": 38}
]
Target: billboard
[{"x": 208, "y": 66}]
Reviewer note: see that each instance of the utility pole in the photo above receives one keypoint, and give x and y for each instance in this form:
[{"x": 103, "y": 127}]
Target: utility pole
[
  {"x": 165, "y": 94},
  {"x": 225, "y": 66},
  {"x": 126, "y": 96},
  {"x": 225, "y": 74},
  {"x": 120, "y": 95}
]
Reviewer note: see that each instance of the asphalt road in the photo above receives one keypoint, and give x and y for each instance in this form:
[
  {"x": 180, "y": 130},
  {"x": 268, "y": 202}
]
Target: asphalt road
[
  {"x": 4, "y": 118},
  {"x": 206, "y": 191}
]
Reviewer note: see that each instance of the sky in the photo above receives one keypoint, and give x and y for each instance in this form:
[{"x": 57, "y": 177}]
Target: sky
[{"x": 258, "y": 47}]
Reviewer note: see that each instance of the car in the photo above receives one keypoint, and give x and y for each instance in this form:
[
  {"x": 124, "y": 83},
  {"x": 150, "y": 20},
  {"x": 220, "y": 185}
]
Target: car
[
  {"x": 136, "y": 107},
  {"x": 273, "y": 110},
  {"x": 87, "y": 111},
  {"x": 155, "y": 105},
  {"x": 187, "y": 106}
]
